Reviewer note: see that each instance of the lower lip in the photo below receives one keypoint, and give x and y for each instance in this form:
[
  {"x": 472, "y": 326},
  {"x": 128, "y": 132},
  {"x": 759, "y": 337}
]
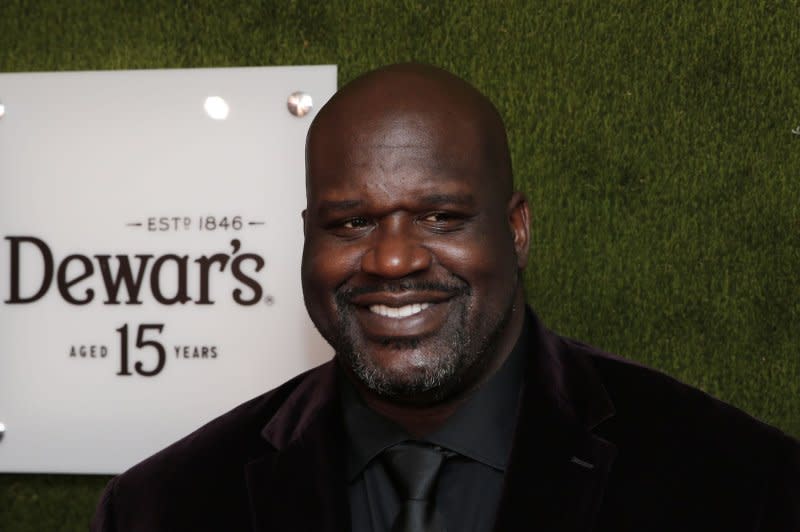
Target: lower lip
[{"x": 422, "y": 323}]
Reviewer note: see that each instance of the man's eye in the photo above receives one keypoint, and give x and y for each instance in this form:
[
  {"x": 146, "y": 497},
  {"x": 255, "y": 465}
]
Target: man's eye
[
  {"x": 440, "y": 217},
  {"x": 355, "y": 223},
  {"x": 443, "y": 221}
]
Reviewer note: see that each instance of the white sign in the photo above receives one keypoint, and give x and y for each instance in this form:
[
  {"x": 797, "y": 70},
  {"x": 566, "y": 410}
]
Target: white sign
[{"x": 150, "y": 243}]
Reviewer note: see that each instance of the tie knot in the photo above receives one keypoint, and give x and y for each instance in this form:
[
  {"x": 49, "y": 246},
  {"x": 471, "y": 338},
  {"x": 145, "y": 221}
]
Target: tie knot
[{"x": 413, "y": 468}]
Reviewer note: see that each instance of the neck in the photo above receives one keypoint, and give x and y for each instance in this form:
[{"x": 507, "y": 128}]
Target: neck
[{"x": 420, "y": 419}]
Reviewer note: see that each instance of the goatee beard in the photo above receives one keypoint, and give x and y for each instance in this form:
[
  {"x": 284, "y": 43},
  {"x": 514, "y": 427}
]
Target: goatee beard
[{"x": 448, "y": 357}]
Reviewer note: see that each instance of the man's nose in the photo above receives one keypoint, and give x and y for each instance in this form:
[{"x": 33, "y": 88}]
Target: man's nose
[{"x": 395, "y": 253}]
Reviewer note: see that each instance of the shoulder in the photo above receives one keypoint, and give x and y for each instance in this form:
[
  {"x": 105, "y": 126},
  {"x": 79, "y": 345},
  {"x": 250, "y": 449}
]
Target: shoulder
[
  {"x": 697, "y": 453},
  {"x": 659, "y": 406},
  {"x": 203, "y": 470},
  {"x": 653, "y": 405},
  {"x": 229, "y": 439}
]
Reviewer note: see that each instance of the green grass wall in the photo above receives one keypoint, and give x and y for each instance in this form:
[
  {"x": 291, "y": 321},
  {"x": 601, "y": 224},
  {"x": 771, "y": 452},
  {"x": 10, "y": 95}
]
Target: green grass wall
[{"x": 654, "y": 140}]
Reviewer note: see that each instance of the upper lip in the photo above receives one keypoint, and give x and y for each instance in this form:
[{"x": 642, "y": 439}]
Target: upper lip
[{"x": 399, "y": 299}]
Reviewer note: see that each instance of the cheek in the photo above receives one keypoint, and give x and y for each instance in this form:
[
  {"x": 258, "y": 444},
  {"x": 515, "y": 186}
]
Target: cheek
[
  {"x": 324, "y": 268},
  {"x": 316, "y": 276},
  {"x": 477, "y": 256},
  {"x": 487, "y": 264}
]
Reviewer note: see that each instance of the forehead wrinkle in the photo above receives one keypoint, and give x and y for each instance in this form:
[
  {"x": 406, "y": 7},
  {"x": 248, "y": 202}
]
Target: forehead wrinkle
[
  {"x": 434, "y": 156},
  {"x": 390, "y": 167},
  {"x": 403, "y": 146},
  {"x": 358, "y": 193}
]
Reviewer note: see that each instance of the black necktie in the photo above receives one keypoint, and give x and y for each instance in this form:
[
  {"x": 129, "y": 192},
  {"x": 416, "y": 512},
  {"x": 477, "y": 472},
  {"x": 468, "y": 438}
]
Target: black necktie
[{"x": 413, "y": 468}]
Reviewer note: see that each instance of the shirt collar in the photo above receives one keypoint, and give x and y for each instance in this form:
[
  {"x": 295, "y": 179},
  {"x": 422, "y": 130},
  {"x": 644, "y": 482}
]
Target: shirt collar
[{"x": 481, "y": 429}]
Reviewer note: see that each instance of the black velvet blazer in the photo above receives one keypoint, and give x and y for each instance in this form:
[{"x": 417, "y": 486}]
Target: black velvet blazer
[{"x": 601, "y": 444}]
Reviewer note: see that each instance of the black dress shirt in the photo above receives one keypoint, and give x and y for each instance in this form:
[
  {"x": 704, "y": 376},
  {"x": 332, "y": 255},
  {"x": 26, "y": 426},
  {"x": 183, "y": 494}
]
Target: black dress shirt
[{"x": 470, "y": 483}]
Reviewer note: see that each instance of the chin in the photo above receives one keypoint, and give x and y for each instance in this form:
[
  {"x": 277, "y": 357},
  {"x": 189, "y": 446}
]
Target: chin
[
  {"x": 419, "y": 369},
  {"x": 407, "y": 370}
]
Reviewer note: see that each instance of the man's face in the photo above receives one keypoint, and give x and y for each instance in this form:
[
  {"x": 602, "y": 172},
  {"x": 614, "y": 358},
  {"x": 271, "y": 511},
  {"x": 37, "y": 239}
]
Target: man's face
[{"x": 412, "y": 253}]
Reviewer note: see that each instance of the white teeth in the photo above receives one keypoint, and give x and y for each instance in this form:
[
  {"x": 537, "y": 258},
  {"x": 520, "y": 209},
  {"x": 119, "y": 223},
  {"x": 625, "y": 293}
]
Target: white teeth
[{"x": 399, "y": 312}]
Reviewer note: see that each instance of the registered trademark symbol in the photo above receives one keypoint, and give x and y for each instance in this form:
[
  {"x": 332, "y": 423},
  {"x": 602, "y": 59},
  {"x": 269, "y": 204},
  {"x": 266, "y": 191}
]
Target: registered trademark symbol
[{"x": 269, "y": 300}]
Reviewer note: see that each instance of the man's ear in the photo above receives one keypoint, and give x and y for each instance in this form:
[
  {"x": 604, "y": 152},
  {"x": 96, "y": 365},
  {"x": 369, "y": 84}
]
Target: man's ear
[
  {"x": 519, "y": 219},
  {"x": 304, "y": 215}
]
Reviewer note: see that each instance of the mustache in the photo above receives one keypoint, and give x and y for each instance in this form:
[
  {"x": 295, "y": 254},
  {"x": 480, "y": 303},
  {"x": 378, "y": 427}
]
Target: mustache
[{"x": 454, "y": 289}]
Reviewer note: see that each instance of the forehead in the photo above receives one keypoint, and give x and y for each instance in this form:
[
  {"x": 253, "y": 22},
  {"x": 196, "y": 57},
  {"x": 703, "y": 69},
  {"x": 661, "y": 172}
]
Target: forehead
[{"x": 397, "y": 154}]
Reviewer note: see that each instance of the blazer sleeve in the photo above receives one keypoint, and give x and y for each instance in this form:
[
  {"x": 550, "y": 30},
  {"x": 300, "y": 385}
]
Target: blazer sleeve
[
  {"x": 103, "y": 520},
  {"x": 781, "y": 509}
]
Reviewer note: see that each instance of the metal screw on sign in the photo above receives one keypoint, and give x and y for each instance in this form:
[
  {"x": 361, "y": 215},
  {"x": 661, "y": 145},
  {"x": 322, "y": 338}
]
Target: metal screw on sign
[
  {"x": 299, "y": 103},
  {"x": 2, "y": 113},
  {"x": 2, "y": 431}
]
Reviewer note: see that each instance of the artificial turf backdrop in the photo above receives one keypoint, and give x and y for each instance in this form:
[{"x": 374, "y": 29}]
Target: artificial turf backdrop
[{"x": 654, "y": 140}]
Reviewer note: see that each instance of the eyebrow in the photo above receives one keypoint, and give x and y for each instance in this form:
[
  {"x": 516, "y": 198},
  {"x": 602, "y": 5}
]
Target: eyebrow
[
  {"x": 431, "y": 200},
  {"x": 339, "y": 205},
  {"x": 448, "y": 199}
]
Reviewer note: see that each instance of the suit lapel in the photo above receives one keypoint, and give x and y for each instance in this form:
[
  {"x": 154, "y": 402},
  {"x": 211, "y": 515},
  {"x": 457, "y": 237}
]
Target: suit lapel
[
  {"x": 300, "y": 484},
  {"x": 558, "y": 468},
  {"x": 554, "y": 483}
]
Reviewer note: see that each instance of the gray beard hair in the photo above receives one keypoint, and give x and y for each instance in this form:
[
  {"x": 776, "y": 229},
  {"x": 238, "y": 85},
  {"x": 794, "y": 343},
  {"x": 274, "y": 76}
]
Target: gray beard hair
[{"x": 463, "y": 354}]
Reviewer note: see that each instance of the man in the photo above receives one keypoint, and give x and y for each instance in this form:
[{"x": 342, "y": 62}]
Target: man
[{"x": 448, "y": 405}]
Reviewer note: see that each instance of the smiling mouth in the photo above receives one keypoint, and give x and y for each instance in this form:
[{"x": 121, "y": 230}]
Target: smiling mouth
[
  {"x": 398, "y": 312},
  {"x": 396, "y": 316}
]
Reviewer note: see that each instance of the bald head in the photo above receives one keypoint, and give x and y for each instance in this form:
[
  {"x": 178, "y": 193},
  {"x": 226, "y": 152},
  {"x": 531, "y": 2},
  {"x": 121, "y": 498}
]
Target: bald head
[
  {"x": 400, "y": 105},
  {"x": 414, "y": 239}
]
